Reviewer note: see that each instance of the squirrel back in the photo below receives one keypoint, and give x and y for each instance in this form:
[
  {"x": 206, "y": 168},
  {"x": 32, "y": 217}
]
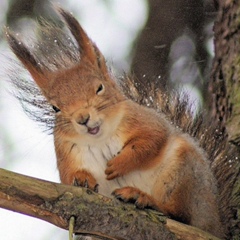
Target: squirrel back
[{"x": 106, "y": 141}]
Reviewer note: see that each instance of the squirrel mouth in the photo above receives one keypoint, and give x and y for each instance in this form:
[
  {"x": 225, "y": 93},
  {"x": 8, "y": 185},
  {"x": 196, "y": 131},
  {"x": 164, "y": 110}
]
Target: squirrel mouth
[{"x": 94, "y": 130}]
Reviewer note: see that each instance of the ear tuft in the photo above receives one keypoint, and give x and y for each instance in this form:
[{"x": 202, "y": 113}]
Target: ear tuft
[
  {"x": 84, "y": 42},
  {"x": 87, "y": 48},
  {"x": 22, "y": 53},
  {"x": 27, "y": 59}
]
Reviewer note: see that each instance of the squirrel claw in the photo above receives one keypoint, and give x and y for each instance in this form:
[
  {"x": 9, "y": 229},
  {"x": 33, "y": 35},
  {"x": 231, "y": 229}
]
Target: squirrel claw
[
  {"x": 96, "y": 188},
  {"x": 85, "y": 184},
  {"x": 84, "y": 179}
]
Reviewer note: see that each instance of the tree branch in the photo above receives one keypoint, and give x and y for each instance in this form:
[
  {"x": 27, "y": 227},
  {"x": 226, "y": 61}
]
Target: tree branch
[{"x": 94, "y": 214}]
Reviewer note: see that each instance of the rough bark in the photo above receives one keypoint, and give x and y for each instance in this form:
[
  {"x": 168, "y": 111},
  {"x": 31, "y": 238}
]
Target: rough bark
[
  {"x": 225, "y": 85},
  {"x": 225, "y": 92},
  {"x": 95, "y": 215}
]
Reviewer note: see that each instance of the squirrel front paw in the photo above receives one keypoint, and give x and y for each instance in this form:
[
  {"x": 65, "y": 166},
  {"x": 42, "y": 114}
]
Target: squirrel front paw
[
  {"x": 83, "y": 178},
  {"x": 115, "y": 168}
]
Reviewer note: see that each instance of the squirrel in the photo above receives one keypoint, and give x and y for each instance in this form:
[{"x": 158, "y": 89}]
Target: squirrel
[{"x": 106, "y": 141}]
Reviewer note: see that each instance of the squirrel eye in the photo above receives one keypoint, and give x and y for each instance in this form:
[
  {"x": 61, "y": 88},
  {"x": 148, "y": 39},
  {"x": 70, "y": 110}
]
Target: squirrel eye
[
  {"x": 56, "y": 109},
  {"x": 100, "y": 89}
]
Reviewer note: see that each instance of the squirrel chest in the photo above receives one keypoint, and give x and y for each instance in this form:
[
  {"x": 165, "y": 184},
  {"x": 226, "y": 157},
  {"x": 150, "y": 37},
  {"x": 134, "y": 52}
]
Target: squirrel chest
[{"x": 94, "y": 158}]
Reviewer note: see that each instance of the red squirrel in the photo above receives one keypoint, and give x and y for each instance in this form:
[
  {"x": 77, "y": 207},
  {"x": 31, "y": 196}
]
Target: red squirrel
[{"x": 111, "y": 144}]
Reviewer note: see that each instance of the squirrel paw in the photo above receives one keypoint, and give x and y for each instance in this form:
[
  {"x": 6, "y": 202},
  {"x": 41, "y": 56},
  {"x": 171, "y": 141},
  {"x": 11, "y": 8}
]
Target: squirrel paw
[
  {"x": 136, "y": 196},
  {"x": 115, "y": 168},
  {"x": 85, "y": 179}
]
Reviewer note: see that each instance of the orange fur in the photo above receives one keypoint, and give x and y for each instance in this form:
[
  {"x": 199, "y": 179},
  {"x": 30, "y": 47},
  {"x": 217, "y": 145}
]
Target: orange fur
[{"x": 102, "y": 138}]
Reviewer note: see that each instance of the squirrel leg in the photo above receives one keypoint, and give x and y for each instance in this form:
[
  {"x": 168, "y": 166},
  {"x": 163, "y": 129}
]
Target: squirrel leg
[
  {"x": 69, "y": 169},
  {"x": 136, "y": 196}
]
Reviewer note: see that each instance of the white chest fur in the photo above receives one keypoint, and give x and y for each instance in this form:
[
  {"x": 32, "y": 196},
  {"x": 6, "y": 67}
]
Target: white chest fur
[{"x": 94, "y": 158}]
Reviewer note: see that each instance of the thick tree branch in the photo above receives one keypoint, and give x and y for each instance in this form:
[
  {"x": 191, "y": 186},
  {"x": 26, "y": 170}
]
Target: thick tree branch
[{"x": 95, "y": 214}]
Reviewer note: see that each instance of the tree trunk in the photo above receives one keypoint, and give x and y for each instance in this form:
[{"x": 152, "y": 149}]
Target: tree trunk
[
  {"x": 225, "y": 93},
  {"x": 225, "y": 85}
]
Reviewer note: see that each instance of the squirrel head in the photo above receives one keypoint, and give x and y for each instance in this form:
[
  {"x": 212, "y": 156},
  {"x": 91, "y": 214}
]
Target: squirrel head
[{"x": 76, "y": 82}]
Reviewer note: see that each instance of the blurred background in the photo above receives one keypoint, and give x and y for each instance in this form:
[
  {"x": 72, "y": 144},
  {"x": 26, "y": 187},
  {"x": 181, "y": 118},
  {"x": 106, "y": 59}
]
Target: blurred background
[{"x": 168, "y": 41}]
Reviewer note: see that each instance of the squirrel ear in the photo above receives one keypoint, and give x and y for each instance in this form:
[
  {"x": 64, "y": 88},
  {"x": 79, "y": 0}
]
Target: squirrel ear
[
  {"x": 27, "y": 59},
  {"x": 87, "y": 48}
]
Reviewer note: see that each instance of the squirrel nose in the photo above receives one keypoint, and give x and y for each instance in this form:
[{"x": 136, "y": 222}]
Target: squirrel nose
[{"x": 84, "y": 120}]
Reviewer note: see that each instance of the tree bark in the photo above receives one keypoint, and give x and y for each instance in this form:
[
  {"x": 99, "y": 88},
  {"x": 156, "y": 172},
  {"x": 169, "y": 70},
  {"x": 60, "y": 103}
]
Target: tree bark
[
  {"x": 225, "y": 85},
  {"x": 225, "y": 93},
  {"x": 95, "y": 215}
]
